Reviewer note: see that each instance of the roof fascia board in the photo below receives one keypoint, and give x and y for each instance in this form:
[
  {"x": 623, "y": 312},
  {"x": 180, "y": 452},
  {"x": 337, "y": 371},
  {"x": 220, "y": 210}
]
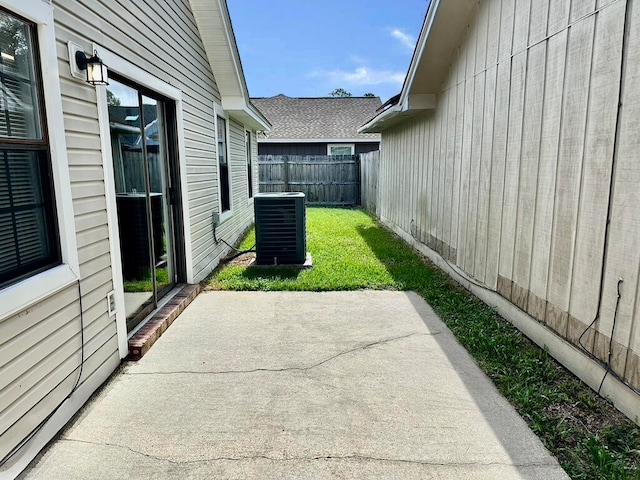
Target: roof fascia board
[
  {"x": 408, "y": 102},
  {"x": 391, "y": 115},
  {"x": 233, "y": 46},
  {"x": 373, "y": 126},
  {"x": 238, "y": 107}
]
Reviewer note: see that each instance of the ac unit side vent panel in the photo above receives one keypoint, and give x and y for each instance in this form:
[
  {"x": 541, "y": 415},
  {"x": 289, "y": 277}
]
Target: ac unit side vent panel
[{"x": 280, "y": 228}]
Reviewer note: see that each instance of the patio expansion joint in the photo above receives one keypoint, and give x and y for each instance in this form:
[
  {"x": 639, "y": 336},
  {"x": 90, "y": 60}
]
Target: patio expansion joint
[
  {"x": 356, "y": 457},
  {"x": 356, "y": 349}
]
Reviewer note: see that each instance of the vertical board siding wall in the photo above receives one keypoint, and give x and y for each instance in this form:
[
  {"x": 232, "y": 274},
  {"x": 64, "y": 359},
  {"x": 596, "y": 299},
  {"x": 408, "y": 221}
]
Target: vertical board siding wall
[{"x": 512, "y": 175}]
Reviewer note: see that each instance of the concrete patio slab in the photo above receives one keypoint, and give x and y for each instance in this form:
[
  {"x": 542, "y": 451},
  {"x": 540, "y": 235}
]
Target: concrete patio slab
[{"x": 288, "y": 385}]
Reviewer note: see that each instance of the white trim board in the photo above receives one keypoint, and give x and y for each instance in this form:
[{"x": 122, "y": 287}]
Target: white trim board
[{"x": 214, "y": 25}]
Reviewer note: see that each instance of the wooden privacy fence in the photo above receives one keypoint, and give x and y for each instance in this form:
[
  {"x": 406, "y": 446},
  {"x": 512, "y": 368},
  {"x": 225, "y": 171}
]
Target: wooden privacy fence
[
  {"x": 324, "y": 179},
  {"x": 369, "y": 167}
]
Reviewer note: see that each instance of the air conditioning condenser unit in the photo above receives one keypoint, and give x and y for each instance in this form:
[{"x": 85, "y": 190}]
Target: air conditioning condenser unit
[{"x": 281, "y": 237}]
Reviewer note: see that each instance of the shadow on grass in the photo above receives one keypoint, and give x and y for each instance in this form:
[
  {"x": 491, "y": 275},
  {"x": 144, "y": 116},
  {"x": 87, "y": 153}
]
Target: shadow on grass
[
  {"x": 549, "y": 398},
  {"x": 408, "y": 270}
]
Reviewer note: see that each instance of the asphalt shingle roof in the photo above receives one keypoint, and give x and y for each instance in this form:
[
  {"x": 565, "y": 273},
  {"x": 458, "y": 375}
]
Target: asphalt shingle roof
[{"x": 318, "y": 118}]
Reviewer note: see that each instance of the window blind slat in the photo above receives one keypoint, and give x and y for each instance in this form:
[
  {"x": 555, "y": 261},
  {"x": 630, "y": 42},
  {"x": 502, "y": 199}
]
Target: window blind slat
[{"x": 8, "y": 254}]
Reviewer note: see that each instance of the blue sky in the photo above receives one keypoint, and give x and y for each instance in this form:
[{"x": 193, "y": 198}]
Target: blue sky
[{"x": 305, "y": 48}]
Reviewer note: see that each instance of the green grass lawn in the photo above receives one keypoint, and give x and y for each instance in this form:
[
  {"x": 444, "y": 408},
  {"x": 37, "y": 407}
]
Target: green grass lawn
[{"x": 350, "y": 250}]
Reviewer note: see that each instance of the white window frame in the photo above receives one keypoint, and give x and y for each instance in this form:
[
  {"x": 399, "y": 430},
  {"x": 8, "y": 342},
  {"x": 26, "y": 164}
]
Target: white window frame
[
  {"x": 219, "y": 112},
  {"x": 21, "y": 295},
  {"x": 352, "y": 146}
]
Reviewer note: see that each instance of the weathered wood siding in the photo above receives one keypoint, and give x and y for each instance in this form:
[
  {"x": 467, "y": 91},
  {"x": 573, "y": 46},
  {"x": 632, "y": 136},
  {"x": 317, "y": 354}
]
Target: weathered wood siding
[
  {"x": 369, "y": 178},
  {"x": 324, "y": 179},
  {"x": 41, "y": 346},
  {"x": 510, "y": 177}
]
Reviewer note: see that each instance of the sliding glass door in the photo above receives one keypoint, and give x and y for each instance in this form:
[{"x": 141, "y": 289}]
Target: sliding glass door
[{"x": 141, "y": 150}]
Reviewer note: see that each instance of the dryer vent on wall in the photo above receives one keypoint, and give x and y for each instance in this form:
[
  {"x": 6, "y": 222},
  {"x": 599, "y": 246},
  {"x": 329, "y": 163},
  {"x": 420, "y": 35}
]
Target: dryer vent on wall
[{"x": 281, "y": 237}]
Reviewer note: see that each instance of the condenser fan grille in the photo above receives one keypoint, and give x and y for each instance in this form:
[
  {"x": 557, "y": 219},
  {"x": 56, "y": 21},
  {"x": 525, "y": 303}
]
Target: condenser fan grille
[{"x": 280, "y": 228}]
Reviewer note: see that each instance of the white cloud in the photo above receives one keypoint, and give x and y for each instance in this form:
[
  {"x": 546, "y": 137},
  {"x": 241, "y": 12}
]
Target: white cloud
[
  {"x": 362, "y": 76},
  {"x": 405, "y": 39}
]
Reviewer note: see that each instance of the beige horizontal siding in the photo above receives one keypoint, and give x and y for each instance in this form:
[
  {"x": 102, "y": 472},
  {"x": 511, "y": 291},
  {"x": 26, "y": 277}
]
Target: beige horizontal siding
[
  {"x": 205, "y": 200},
  {"x": 41, "y": 346},
  {"x": 40, "y": 355},
  {"x": 147, "y": 25}
]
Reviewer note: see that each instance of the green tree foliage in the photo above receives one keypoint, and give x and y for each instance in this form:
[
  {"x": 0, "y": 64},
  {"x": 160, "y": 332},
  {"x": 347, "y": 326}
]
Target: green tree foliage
[
  {"x": 112, "y": 100},
  {"x": 369, "y": 94},
  {"x": 340, "y": 92}
]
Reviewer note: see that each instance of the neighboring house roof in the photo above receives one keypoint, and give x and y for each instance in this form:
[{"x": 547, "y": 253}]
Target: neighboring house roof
[
  {"x": 443, "y": 26},
  {"x": 318, "y": 119},
  {"x": 214, "y": 25}
]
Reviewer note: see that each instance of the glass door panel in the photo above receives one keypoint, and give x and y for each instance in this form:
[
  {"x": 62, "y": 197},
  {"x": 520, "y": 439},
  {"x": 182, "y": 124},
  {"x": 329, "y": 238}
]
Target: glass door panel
[
  {"x": 138, "y": 144},
  {"x": 159, "y": 183}
]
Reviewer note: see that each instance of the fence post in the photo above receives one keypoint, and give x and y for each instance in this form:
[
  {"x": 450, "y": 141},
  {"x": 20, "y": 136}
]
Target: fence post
[
  {"x": 358, "y": 182},
  {"x": 285, "y": 166}
]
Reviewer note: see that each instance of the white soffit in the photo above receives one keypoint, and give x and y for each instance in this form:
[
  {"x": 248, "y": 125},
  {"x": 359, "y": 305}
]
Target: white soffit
[{"x": 441, "y": 32}]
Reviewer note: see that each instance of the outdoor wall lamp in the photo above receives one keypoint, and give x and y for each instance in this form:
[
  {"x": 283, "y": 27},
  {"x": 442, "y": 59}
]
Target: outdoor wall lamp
[{"x": 96, "y": 70}]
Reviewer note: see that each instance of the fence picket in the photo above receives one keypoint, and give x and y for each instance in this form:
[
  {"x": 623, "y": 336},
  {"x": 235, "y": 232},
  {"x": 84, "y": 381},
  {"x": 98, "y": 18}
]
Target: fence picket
[
  {"x": 368, "y": 181},
  {"x": 324, "y": 179}
]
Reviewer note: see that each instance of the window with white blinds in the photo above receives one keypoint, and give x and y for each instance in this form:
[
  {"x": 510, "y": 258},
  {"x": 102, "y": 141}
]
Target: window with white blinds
[{"x": 28, "y": 231}]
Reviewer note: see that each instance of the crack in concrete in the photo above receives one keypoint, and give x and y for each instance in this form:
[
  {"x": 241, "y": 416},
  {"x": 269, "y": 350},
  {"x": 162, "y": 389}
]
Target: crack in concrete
[
  {"x": 367, "y": 458},
  {"x": 288, "y": 369},
  {"x": 123, "y": 447}
]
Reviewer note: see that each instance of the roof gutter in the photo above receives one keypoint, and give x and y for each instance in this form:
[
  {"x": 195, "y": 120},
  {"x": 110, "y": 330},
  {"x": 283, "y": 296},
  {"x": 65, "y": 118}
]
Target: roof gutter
[
  {"x": 409, "y": 107},
  {"x": 246, "y": 112},
  {"x": 376, "y": 124}
]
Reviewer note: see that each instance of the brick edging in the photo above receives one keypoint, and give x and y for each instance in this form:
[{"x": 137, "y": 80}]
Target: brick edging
[{"x": 144, "y": 338}]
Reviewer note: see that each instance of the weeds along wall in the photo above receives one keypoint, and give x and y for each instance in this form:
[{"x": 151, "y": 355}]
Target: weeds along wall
[{"x": 526, "y": 175}]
